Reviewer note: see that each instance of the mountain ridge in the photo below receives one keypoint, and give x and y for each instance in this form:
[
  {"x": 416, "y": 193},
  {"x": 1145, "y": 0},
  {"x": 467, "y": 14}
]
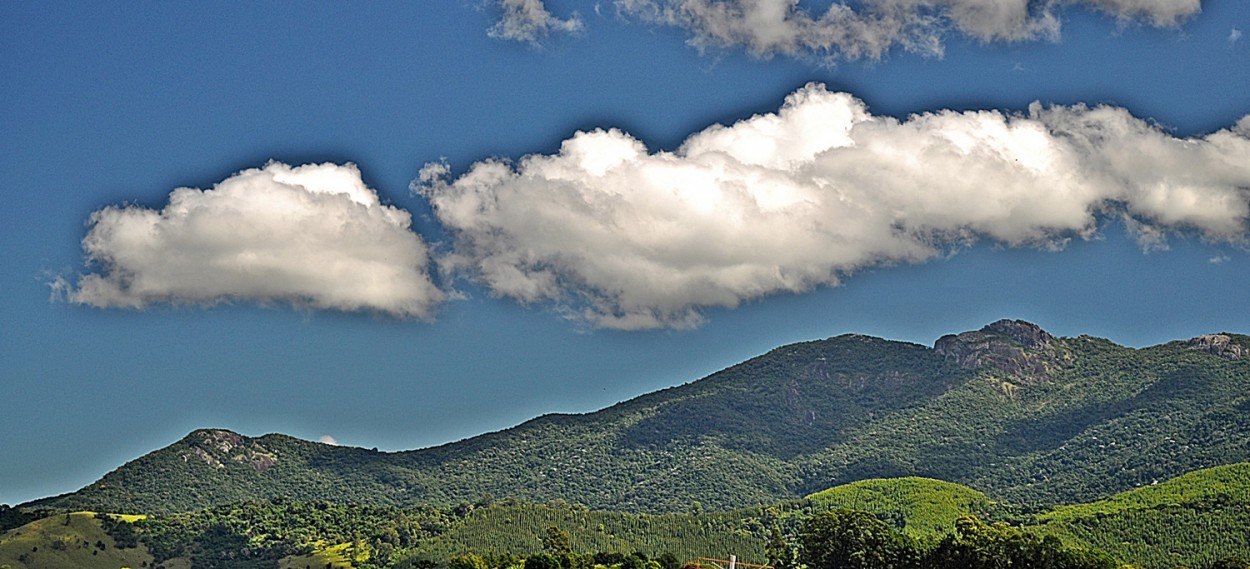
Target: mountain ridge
[{"x": 1008, "y": 408}]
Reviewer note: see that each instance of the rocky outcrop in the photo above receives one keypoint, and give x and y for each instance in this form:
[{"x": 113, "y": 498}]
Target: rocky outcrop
[
  {"x": 216, "y": 446},
  {"x": 1015, "y": 347},
  {"x": 1219, "y": 345}
]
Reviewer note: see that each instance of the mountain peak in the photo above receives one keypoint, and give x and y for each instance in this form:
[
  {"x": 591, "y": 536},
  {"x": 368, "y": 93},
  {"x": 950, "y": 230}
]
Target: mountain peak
[
  {"x": 220, "y": 447},
  {"x": 1015, "y": 347},
  {"x": 1025, "y": 333}
]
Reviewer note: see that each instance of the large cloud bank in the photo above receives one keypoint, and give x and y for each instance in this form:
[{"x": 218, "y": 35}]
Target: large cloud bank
[
  {"x": 314, "y": 236},
  {"x": 866, "y": 29},
  {"x": 619, "y": 237}
]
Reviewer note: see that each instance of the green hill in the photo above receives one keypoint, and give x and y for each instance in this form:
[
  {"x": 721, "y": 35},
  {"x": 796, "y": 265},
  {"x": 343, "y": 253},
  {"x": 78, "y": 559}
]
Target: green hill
[
  {"x": 923, "y": 508},
  {"x": 1192, "y": 520},
  {"x": 75, "y": 540},
  {"x": 1024, "y": 416}
]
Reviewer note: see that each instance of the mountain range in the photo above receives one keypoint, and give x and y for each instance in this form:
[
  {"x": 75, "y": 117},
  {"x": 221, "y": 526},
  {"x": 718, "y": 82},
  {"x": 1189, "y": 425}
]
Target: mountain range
[{"x": 1011, "y": 410}]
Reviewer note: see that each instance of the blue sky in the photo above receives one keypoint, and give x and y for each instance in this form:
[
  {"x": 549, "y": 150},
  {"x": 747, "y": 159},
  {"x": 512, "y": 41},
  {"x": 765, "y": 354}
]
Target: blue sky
[{"x": 546, "y": 303}]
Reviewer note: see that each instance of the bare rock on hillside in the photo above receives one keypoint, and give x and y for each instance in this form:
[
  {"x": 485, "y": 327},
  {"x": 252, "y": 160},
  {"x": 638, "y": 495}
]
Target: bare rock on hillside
[{"x": 1219, "y": 345}]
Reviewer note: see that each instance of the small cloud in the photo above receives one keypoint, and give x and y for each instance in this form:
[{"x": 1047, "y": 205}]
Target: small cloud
[
  {"x": 1234, "y": 35},
  {"x": 867, "y": 29},
  {"x": 328, "y": 440},
  {"x": 1219, "y": 259},
  {"x": 528, "y": 21}
]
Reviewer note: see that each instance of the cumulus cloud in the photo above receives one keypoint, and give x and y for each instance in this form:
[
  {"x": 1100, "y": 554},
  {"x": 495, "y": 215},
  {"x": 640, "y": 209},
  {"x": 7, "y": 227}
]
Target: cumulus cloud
[
  {"x": 328, "y": 440},
  {"x": 313, "y": 236},
  {"x": 621, "y": 237},
  {"x": 869, "y": 28},
  {"x": 529, "y": 21},
  {"x": 1234, "y": 35}
]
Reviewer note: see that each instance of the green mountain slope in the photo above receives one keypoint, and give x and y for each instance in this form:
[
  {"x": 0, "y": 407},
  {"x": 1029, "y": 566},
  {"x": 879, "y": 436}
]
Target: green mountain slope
[
  {"x": 1192, "y": 520},
  {"x": 1189, "y": 521},
  {"x": 1009, "y": 409}
]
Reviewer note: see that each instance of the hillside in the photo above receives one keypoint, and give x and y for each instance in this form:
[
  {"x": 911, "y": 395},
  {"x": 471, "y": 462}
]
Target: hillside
[
  {"x": 923, "y": 508},
  {"x": 1189, "y": 521},
  {"x": 71, "y": 540},
  {"x": 1009, "y": 409},
  {"x": 1192, "y": 520}
]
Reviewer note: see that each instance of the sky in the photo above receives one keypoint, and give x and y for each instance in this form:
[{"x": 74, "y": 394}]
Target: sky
[{"x": 400, "y": 224}]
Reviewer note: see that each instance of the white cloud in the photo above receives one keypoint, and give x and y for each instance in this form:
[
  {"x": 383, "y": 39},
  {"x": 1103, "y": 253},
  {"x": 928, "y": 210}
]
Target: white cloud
[
  {"x": 1234, "y": 35},
  {"x": 314, "y": 236},
  {"x": 1161, "y": 13},
  {"x": 529, "y": 21},
  {"x": 328, "y": 440},
  {"x": 866, "y": 30},
  {"x": 617, "y": 236}
]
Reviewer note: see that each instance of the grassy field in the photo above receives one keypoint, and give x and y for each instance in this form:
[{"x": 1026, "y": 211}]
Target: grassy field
[{"x": 74, "y": 540}]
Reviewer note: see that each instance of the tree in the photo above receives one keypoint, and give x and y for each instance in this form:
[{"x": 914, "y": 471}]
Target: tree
[
  {"x": 417, "y": 562},
  {"x": 541, "y": 561},
  {"x": 668, "y": 561},
  {"x": 977, "y": 545},
  {"x": 849, "y": 539},
  {"x": 556, "y": 542},
  {"x": 470, "y": 561},
  {"x": 780, "y": 554}
]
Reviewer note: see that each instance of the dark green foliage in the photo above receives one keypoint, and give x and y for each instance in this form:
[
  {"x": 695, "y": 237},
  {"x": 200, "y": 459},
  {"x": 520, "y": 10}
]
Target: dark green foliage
[
  {"x": 16, "y": 517},
  {"x": 417, "y": 562},
  {"x": 123, "y": 533},
  {"x": 515, "y": 527},
  {"x": 850, "y": 539},
  {"x": 780, "y": 554},
  {"x": 1069, "y": 420},
  {"x": 542, "y": 561},
  {"x": 976, "y": 545},
  {"x": 556, "y": 542},
  {"x": 469, "y": 561},
  {"x": 668, "y": 561},
  {"x": 257, "y": 534}
]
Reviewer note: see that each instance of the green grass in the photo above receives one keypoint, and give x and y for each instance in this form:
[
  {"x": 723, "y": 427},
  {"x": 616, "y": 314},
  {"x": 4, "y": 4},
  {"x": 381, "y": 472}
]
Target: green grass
[{"x": 68, "y": 540}]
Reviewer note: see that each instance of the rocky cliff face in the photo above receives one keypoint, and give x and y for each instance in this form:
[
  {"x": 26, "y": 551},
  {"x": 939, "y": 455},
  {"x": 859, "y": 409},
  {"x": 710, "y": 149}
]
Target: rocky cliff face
[
  {"x": 216, "y": 446},
  {"x": 1219, "y": 345},
  {"x": 1014, "y": 347}
]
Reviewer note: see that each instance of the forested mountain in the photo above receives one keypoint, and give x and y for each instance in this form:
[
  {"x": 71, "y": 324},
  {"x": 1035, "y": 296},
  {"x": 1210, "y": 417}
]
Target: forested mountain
[{"x": 1019, "y": 414}]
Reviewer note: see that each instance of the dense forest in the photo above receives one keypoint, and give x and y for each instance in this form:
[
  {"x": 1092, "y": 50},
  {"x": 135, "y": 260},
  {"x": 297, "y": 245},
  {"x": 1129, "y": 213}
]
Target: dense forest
[
  {"x": 1197, "y": 520},
  {"x": 1020, "y": 415},
  {"x": 1004, "y": 446}
]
